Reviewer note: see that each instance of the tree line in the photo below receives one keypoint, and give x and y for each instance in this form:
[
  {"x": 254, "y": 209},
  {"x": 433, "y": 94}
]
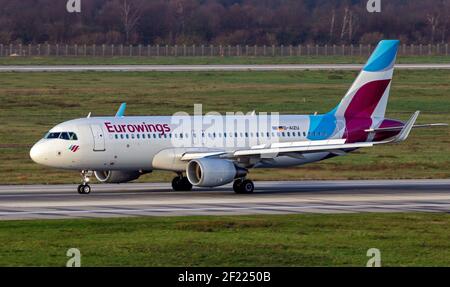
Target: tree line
[{"x": 225, "y": 22}]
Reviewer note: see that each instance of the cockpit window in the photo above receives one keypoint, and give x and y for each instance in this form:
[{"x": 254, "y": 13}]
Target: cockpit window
[
  {"x": 62, "y": 135},
  {"x": 73, "y": 136},
  {"x": 52, "y": 135}
]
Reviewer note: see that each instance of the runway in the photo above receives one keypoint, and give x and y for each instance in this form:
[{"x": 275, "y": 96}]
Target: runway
[
  {"x": 157, "y": 199},
  {"x": 202, "y": 68}
]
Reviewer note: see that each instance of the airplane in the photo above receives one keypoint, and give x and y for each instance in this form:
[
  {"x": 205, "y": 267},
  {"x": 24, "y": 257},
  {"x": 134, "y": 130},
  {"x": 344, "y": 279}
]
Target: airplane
[{"x": 122, "y": 148}]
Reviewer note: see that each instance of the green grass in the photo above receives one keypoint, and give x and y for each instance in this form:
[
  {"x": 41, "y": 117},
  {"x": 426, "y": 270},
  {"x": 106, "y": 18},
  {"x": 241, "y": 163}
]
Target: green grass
[
  {"x": 31, "y": 103},
  {"x": 263, "y": 240},
  {"x": 210, "y": 60}
]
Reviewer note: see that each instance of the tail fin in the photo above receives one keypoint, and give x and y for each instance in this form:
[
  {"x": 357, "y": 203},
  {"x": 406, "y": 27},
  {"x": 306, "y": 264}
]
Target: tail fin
[{"x": 368, "y": 96}]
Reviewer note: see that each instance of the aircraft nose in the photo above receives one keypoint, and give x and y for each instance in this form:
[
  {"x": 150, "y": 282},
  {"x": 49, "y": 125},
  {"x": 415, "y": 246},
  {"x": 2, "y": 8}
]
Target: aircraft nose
[{"x": 36, "y": 153}]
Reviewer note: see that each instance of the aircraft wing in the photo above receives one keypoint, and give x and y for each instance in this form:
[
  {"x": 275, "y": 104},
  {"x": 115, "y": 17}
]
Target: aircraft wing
[
  {"x": 195, "y": 155},
  {"x": 301, "y": 147},
  {"x": 336, "y": 146}
]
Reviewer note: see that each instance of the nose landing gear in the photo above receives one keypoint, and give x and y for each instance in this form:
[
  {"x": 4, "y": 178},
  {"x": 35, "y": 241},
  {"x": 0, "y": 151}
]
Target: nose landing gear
[{"x": 85, "y": 188}]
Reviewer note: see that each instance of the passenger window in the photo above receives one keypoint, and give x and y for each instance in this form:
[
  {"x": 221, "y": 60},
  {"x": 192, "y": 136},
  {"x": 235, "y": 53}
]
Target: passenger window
[
  {"x": 116, "y": 136},
  {"x": 121, "y": 136}
]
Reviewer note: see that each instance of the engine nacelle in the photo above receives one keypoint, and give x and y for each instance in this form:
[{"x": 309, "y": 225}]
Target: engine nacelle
[
  {"x": 210, "y": 172},
  {"x": 116, "y": 176}
]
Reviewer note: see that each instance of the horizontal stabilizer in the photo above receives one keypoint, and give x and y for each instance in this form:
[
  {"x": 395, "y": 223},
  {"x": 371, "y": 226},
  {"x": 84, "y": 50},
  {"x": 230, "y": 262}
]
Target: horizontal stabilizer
[{"x": 392, "y": 129}]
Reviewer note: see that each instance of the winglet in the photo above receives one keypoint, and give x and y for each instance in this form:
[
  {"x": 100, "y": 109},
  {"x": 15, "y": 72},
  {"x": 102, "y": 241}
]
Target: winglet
[
  {"x": 121, "y": 110},
  {"x": 404, "y": 133}
]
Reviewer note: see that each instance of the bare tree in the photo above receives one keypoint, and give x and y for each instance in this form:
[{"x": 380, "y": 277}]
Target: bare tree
[
  {"x": 333, "y": 19},
  {"x": 445, "y": 23},
  {"x": 433, "y": 20},
  {"x": 130, "y": 17},
  {"x": 344, "y": 23},
  {"x": 286, "y": 22},
  {"x": 350, "y": 26}
]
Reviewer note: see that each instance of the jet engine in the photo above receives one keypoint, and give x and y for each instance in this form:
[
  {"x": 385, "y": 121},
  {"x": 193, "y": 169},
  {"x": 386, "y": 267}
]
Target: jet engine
[
  {"x": 210, "y": 172},
  {"x": 116, "y": 176}
]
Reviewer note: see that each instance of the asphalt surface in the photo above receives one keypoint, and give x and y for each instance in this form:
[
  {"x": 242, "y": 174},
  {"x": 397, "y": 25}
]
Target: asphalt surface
[
  {"x": 187, "y": 68},
  {"x": 157, "y": 199}
]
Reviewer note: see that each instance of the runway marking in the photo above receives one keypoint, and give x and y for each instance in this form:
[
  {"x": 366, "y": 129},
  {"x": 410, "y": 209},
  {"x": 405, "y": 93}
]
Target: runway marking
[
  {"x": 362, "y": 206},
  {"x": 149, "y": 199}
]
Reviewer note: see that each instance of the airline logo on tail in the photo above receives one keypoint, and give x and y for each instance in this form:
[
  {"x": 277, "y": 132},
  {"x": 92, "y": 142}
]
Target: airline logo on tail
[{"x": 364, "y": 105}]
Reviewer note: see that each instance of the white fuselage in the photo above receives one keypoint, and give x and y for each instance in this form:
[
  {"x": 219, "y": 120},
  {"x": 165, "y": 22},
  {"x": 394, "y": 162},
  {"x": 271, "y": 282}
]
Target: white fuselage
[{"x": 154, "y": 142}]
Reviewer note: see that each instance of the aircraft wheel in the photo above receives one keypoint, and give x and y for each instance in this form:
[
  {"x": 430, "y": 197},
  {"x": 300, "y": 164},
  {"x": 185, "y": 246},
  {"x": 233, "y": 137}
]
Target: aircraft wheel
[
  {"x": 87, "y": 189},
  {"x": 245, "y": 186},
  {"x": 187, "y": 186},
  {"x": 237, "y": 185},
  {"x": 181, "y": 184},
  {"x": 84, "y": 189}
]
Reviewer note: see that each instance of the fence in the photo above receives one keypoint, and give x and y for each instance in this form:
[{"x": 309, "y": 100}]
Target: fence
[{"x": 76, "y": 50}]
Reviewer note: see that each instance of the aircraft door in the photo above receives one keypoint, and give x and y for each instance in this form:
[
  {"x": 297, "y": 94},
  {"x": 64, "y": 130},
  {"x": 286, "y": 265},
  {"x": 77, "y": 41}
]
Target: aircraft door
[{"x": 99, "y": 138}]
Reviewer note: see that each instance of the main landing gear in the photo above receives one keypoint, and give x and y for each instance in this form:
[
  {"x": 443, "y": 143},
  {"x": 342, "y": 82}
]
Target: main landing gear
[
  {"x": 181, "y": 183},
  {"x": 243, "y": 186},
  {"x": 85, "y": 188}
]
